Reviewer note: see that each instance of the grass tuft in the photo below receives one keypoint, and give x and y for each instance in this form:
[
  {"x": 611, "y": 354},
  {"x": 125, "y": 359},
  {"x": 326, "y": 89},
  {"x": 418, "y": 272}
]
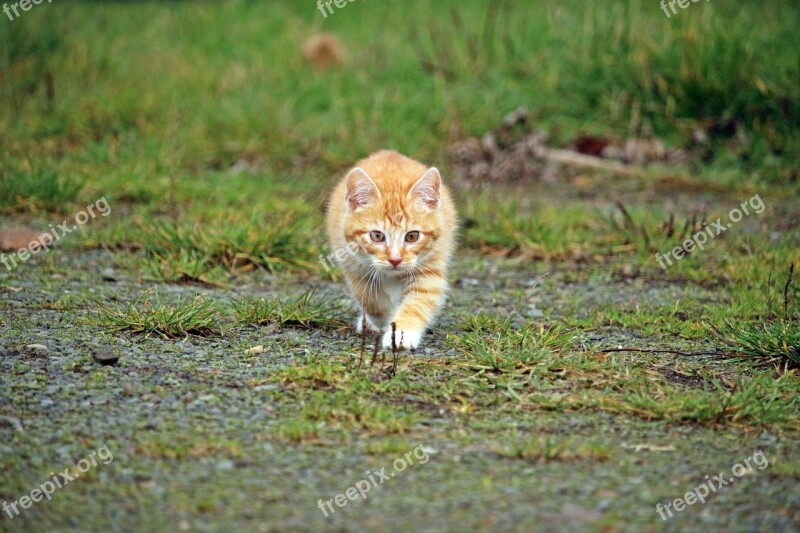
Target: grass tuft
[
  {"x": 193, "y": 316},
  {"x": 299, "y": 432},
  {"x": 499, "y": 347},
  {"x": 29, "y": 189},
  {"x": 186, "y": 266},
  {"x": 775, "y": 339},
  {"x": 235, "y": 245},
  {"x": 778, "y": 340},
  {"x": 546, "y": 449},
  {"x": 306, "y": 311},
  {"x": 185, "y": 447},
  {"x": 315, "y": 374},
  {"x": 350, "y": 411}
]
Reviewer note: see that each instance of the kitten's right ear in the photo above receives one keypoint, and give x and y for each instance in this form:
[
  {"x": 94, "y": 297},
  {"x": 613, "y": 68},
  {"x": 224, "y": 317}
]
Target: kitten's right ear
[{"x": 361, "y": 190}]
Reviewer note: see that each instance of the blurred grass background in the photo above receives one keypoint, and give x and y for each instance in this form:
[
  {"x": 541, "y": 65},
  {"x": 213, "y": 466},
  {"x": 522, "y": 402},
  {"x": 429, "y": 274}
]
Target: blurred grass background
[
  {"x": 199, "y": 117},
  {"x": 194, "y": 86}
]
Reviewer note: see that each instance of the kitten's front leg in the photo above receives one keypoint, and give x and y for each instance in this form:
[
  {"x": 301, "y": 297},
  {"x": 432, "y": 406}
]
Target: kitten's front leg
[
  {"x": 365, "y": 321},
  {"x": 376, "y": 306},
  {"x": 420, "y": 303}
]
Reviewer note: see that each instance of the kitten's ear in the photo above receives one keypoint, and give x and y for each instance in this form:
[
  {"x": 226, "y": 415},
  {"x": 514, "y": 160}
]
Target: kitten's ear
[
  {"x": 427, "y": 189},
  {"x": 361, "y": 190}
]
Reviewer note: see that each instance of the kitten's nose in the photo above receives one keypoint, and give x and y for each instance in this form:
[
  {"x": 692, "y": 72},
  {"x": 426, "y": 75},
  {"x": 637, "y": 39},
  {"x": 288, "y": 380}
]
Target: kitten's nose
[{"x": 395, "y": 261}]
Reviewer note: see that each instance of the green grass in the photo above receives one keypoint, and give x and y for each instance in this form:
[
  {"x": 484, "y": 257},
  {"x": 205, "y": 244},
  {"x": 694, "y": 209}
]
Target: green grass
[
  {"x": 332, "y": 398},
  {"x": 217, "y": 163},
  {"x": 192, "y": 316},
  {"x": 296, "y": 431},
  {"x": 42, "y": 188},
  {"x": 185, "y": 446},
  {"x": 196, "y": 252},
  {"x": 773, "y": 341},
  {"x": 543, "y": 449},
  {"x": 499, "y": 348},
  {"x": 775, "y": 338},
  {"x": 628, "y": 65},
  {"x": 653, "y": 323},
  {"x": 540, "y": 370},
  {"x": 307, "y": 311},
  {"x": 348, "y": 411},
  {"x": 614, "y": 70},
  {"x": 551, "y": 233}
]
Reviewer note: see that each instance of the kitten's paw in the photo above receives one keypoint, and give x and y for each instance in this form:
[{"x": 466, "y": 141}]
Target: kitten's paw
[{"x": 404, "y": 339}]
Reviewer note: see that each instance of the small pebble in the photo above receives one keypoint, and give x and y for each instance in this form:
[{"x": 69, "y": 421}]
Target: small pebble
[
  {"x": 105, "y": 358},
  {"x": 255, "y": 350},
  {"x": 604, "y": 505},
  {"x": 10, "y": 421},
  {"x": 37, "y": 348}
]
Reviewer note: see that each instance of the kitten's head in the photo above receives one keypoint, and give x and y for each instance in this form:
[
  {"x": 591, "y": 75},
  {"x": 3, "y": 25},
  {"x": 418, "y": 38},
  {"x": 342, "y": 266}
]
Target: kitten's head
[{"x": 394, "y": 227}]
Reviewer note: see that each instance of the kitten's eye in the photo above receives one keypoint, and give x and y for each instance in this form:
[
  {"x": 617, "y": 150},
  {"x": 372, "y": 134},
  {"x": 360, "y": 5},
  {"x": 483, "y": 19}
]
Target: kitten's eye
[
  {"x": 377, "y": 236},
  {"x": 412, "y": 236}
]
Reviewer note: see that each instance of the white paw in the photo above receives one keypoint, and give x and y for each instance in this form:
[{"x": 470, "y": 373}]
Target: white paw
[{"x": 404, "y": 339}]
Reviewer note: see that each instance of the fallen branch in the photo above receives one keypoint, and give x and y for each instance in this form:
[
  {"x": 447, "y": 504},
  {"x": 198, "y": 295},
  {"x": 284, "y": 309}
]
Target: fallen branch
[{"x": 577, "y": 159}]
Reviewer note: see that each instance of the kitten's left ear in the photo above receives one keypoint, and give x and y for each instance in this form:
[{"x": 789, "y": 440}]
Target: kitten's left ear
[
  {"x": 361, "y": 190},
  {"x": 427, "y": 189}
]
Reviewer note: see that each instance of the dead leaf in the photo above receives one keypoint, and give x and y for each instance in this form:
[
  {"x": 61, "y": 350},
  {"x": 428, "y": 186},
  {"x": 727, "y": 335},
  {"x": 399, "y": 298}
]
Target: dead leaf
[
  {"x": 13, "y": 239},
  {"x": 323, "y": 51}
]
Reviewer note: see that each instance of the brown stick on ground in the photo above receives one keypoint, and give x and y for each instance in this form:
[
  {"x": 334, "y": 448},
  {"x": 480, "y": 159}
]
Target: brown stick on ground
[
  {"x": 576, "y": 159},
  {"x": 394, "y": 347},
  {"x": 375, "y": 350},
  {"x": 363, "y": 339}
]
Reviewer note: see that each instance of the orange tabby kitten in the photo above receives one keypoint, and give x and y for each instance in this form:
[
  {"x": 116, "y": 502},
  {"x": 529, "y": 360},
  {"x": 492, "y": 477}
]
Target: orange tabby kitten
[{"x": 392, "y": 226}]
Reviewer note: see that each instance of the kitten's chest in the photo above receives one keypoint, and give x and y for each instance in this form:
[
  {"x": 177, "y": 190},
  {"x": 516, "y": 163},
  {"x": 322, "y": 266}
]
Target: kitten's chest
[{"x": 394, "y": 290}]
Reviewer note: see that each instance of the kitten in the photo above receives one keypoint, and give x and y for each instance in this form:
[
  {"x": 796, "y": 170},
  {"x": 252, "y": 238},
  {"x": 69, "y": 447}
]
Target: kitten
[{"x": 392, "y": 227}]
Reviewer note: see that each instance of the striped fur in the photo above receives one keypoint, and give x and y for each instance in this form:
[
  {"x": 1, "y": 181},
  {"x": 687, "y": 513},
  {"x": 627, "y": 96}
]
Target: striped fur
[{"x": 398, "y": 279}]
